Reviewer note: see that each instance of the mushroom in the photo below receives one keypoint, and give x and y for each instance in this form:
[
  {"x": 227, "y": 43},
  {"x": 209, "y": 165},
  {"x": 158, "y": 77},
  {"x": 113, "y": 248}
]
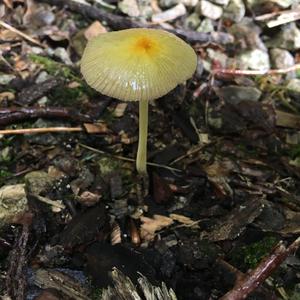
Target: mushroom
[{"x": 137, "y": 65}]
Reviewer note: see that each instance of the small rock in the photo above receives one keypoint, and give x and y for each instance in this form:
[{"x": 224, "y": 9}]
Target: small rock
[
  {"x": 129, "y": 7},
  {"x": 293, "y": 87},
  {"x": 43, "y": 101},
  {"x": 42, "y": 77},
  {"x": 6, "y": 154},
  {"x": 192, "y": 21},
  {"x": 283, "y": 3},
  {"x": 209, "y": 10},
  {"x": 206, "y": 25},
  {"x": 146, "y": 9},
  {"x": 288, "y": 38},
  {"x": 63, "y": 55},
  {"x": 6, "y": 78},
  {"x": 235, "y": 94},
  {"x": 190, "y": 3},
  {"x": 215, "y": 55},
  {"x": 256, "y": 59},
  {"x": 170, "y": 14},
  {"x": 220, "y": 2},
  {"x": 168, "y": 3},
  {"x": 247, "y": 35},
  {"x": 235, "y": 11},
  {"x": 38, "y": 17},
  {"x": 38, "y": 182},
  {"x": 282, "y": 59},
  {"x": 13, "y": 202}
]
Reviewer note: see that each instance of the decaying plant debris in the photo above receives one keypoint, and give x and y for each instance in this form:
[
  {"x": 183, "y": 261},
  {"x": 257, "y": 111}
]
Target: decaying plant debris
[{"x": 221, "y": 217}]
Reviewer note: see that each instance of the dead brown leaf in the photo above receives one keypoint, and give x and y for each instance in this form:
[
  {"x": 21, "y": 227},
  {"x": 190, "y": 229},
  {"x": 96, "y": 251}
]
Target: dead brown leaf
[{"x": 151, "y": 225}]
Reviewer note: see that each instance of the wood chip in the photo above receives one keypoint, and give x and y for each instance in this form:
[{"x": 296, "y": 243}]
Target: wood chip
[{"x": 95, "y": 128}]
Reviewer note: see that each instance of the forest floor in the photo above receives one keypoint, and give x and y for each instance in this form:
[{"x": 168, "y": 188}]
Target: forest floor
[{"x": 222, "y": 215}]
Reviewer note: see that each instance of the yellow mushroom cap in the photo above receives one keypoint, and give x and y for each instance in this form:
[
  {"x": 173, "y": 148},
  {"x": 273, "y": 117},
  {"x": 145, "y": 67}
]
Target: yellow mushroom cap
[{"x": 137, "y": 64}]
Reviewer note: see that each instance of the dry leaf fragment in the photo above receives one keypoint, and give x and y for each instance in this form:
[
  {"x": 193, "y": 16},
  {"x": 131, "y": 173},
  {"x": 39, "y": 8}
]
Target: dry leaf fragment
[
  {"x": 94, "y": 30},
  {"x": 120, "y": 109},
  {"x": 88, "y": 198},
  {"x": 115, "y": 235},
  {"x": 151, "y": 225},
  {"x": 183, "y": 219},
  {"x": 9, "y": 3},
  {"x": 7, "y": 96},
  {"x": 95, "y": 128},
  {"x": 74, "y": 85}
]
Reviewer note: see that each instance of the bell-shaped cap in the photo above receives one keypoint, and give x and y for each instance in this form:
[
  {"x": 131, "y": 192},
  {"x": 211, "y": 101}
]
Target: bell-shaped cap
[{"x": 137, "y": 64}]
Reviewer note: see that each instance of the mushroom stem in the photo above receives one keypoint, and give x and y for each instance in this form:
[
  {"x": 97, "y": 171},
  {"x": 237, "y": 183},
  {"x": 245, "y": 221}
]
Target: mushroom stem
[{"x": 141, "y": 158}]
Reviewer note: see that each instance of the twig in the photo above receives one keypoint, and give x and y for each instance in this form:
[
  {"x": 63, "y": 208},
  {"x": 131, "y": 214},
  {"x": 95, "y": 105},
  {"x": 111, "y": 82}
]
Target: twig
[
  {"x": 188, "y": 153},
  {"x": 283, "y": 17},
  {"x": 91, "y": 128},
  {"x": 118, "y": 22},
  {"x": 267, "y": 16},
  {"x": 20, "y": 33},
  {"x": 256, "y": 72},
  {"x": 14, "y": 115},
  {"x": 257, "y": 276},
  {"x": 240, "y": 276},
  {"x": 40, "y": 130},
  {"x": 127, "y": 158}
]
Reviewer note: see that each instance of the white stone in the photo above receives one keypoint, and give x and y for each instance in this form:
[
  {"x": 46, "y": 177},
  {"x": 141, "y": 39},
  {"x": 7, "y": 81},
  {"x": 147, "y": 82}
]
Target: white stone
[
  {"x": 129, "y": 7},
  {"x": 190, "y": 3},
  {"x": 210, "y": 10},
  {"x": 170, "y": 14},
  {"x": 256, "y": 59},
  {"x": 235, "y": 11}
]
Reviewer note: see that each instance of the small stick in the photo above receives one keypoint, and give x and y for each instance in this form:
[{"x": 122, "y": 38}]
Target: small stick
[
  {"x": 265, "y": 268},
  {"x": 188, "y": 153},
  {"x": 40, "y": 130},
  {"x": 17, "y": 114},
  {"x": 20, "y": 33},
  {"x": 127, "y": 158},
  {"x": 256, "y": 72},
  {"x": 268, "y": 16}
]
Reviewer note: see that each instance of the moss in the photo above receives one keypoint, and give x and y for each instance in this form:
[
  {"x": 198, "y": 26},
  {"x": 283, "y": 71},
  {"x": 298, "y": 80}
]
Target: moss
[
  {"x": 52, "y": 67},
  {"x": 4, "y": 174},
  {"x": 249, "y": 256},
  {"x": 294, "y": 151},
  {"x": 69, "y": 95}
]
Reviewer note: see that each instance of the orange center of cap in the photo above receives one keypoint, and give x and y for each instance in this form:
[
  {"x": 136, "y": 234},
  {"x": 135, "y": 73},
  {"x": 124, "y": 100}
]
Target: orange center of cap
[{"x": 145, "y": 45}]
